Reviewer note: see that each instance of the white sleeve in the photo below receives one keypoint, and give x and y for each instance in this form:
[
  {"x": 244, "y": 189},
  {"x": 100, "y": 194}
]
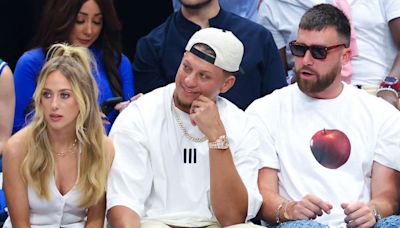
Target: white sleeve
[
  {"x": 247, "y": 164},
  {"x": 130, "y": 178},
  {"x": 268, "y": 154},
  {"x": 264, "y": 18},
  {"x": 392, "y": 9},
  {"x": 388, "y": 146}
]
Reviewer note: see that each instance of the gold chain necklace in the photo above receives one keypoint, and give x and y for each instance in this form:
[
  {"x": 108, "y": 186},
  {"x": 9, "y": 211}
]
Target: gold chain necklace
[
  {"x": 71, "y": 149},
  {"x": 182, "y": 127}
]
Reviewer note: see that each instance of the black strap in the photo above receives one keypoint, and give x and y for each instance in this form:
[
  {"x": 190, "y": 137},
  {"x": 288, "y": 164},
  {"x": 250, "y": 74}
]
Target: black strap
[{"x": 202, "y": 55}]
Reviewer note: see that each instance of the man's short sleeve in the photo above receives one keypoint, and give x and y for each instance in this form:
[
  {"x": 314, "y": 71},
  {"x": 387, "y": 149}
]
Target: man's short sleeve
[
  {"x": 130, "y": 178},
  {"x": 387, "y": 150}
]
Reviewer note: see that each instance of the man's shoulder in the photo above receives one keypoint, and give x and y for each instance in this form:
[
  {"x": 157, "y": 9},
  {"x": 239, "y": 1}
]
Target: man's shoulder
[
  {"x": 367, "y": 103},
  {"x": 246, "y": 29},
  {"x": 226, "y": 107},
  {"x": 153, "y": 99},
  {"x": 149, "y": 110},
  {"x": 278, "y": 95},
  {"x": 153, "y": 104},
  {"x": 156, "y": 37}
]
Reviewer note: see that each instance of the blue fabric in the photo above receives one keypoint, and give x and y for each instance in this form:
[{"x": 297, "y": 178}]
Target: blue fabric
[
  {"x": 28, "y": 68},
  {"x": 298, "y": 224},
  {"x": 388, "y": 222},
  {"x": 2, "y": 202},
  {"x": 246, "y": 9},
  {"x": 159, "y": 55}
]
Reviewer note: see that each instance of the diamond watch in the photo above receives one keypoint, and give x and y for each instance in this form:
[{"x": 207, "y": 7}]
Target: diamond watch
[
  {"x": 376, "y": 214},
  {"x": 220, "y": 144}
]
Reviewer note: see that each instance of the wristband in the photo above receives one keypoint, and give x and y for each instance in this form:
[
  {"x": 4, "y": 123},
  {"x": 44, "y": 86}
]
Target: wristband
[
  {"x": 285, "y": 213},
  {"x": 388, "y": 89},
  {"x": 277, "y": 212}
]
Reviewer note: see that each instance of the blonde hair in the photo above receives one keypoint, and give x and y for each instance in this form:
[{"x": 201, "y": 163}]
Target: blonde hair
[{"x": 38, "y": 166}]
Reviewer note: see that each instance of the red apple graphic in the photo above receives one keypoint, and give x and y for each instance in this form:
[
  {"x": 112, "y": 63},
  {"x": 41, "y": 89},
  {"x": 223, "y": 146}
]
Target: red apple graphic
[{"x": 331, "y": 148}]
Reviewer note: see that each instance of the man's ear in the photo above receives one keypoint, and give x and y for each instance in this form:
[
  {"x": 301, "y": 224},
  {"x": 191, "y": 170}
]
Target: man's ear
[
  {"x": 346, "y": 56},
  {"x": 228, "y": 83}
]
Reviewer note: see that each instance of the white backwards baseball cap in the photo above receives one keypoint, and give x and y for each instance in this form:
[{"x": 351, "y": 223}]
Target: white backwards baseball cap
[{"x": 227, "y": 47}]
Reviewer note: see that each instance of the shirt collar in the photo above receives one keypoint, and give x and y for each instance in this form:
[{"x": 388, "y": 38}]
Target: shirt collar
[{"x": 188, "y": 27}]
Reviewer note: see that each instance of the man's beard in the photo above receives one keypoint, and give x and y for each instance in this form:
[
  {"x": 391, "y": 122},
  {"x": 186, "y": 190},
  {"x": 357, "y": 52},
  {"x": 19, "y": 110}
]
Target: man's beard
[
  {"x": 320, "y": 84},
  {"x": 195, "y": 6},
  {"x": 182, "y": 105}
]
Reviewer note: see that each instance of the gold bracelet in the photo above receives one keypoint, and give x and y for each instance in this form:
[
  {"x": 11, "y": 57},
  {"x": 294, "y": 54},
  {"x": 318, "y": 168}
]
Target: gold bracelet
[
  {"x": 277, "y": 212},
  {"x": 285, "y": 213}
]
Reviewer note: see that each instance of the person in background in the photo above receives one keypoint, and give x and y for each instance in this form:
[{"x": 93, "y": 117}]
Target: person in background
[
  {"x": 376, "y": 28},
  {"x": 56, "y": 168},
  {"x": 247, "y": 9},
  {"x": 197, "y": 166},
  {"x": 159, "y": 53},
  {"x": 88, "y": 23},
  {"x": 7, "y": 104},
  {"x": 340, "y": 167}
]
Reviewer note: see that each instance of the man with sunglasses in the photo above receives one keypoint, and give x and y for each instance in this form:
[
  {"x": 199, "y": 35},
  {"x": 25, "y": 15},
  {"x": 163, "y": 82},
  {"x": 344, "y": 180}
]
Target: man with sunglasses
[
  {"x": 331, "y": 151},
  {"x": 375, "y": 66}
]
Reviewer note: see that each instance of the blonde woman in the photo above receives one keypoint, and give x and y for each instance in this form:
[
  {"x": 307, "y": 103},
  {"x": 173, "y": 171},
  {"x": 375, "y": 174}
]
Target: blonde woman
[{"x": 55, "y": 169}]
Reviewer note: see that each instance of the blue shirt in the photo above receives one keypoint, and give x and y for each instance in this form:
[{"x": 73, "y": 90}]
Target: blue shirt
[
  {"x": 159, "y": 55},
  {"x": 28, "y": 68}
]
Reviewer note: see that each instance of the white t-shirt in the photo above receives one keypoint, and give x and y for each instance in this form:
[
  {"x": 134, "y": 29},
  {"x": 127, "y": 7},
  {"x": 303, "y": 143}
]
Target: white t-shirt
[
  {"x": 60, "y": 211},
  {"x": 376, "y": 47},
  {"x": 161, "y": 175},
  {"x": 288, "y": 120}
]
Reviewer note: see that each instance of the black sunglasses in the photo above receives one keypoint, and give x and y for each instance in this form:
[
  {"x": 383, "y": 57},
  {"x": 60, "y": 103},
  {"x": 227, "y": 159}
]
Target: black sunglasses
[{"x": 317, "y": 52}]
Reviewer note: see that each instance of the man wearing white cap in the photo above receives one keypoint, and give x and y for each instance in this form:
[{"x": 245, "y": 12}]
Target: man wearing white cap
[{"x": 186, "y": 157}]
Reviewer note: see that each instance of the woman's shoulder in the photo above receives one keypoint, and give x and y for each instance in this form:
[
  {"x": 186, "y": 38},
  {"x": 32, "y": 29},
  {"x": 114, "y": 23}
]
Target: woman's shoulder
[{"x": 35, "y": 56}]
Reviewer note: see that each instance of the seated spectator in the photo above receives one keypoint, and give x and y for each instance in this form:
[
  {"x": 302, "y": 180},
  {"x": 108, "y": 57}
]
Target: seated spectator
[
  {"x": 186, "y": 157},
  {"x": 159, "y": 53},
  {"x": 7, "y": 104},
  {"x": 55, "y": 169},
  {"x": 331, "y": 151},
  {"x": 376, "y": 27},
  {"x": 247, "y": 9},
  {"x": 93, "y": 24}
]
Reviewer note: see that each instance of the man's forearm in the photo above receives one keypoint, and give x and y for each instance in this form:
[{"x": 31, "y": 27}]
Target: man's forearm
[{"x": 229, "y": 198}]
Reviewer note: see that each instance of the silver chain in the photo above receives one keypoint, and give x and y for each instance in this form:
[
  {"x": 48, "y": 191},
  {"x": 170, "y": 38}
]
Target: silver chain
[{"x": 182, "y": 127}]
